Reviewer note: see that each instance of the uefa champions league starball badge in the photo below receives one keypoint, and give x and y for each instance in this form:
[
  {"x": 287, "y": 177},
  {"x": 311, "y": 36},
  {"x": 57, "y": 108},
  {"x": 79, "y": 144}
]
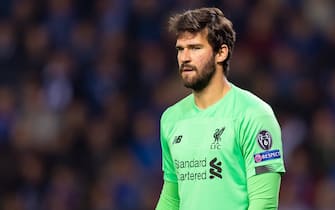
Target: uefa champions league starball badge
[{"x": 264, "y": 140}]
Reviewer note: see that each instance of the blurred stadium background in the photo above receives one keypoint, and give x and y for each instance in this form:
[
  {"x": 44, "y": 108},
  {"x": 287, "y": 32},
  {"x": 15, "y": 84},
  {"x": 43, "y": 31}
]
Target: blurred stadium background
[{"x": 83, "y": 84}]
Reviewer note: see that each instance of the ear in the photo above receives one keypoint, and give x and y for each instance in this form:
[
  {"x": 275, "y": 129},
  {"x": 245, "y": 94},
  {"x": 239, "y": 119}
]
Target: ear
[{"x": 222, "y": 54}]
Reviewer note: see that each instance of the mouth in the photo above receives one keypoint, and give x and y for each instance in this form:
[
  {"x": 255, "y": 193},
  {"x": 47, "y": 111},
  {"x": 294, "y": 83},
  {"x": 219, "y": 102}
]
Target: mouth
[{"x": 186, "y": 69}]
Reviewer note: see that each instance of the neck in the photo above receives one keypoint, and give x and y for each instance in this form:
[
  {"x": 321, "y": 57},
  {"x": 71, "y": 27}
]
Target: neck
[{"x": 216, "y": 90}]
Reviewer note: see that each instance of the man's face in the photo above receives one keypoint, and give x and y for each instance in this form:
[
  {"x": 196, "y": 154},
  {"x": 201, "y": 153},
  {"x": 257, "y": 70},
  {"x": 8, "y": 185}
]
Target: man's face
[{"x": 196, "y": 60}]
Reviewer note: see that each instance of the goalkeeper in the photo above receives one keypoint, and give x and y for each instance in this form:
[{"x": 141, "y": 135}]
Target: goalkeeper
[{"x": 221, "y": 145}]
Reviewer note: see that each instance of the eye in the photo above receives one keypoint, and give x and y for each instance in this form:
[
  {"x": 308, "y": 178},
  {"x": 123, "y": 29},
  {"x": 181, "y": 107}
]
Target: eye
[
  {"x": 179, "y": 49},
  {"x": 195, "y": 47}
]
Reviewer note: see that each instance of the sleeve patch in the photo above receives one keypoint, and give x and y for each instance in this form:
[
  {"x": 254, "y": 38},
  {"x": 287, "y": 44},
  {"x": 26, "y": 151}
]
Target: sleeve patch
[
  {"x": 264, "y": 139},
  {"x": 263, "y": 169},
  {"x": 268, "y": 155}
]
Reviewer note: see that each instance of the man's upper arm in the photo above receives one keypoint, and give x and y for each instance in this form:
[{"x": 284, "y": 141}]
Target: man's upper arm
[
  {"x": 261, "y": 144},
  {"x": 167, "y": 161},
  {"x": 169, "y": 198}
]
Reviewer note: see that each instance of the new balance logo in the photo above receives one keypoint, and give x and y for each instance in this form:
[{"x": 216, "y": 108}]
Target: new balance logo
[
  {"x": 177, "y": 139},
  {"x": 215, "y": 169}
]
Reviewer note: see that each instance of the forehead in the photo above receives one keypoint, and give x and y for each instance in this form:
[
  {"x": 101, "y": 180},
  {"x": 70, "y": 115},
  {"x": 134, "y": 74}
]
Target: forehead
[{"x": 188, "y": 38}]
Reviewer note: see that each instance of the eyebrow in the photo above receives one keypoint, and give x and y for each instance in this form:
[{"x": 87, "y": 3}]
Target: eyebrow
[{"x": 189, "y": 46}]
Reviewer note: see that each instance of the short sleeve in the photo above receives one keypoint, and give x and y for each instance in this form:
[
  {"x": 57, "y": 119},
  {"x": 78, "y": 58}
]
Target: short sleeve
[
  {"x": 167, "y": 161},
  {"x": 261, "y": 143}
]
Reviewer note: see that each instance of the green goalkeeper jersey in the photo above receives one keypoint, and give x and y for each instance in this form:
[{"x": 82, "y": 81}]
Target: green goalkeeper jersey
[{"x": 211, "y": 153}]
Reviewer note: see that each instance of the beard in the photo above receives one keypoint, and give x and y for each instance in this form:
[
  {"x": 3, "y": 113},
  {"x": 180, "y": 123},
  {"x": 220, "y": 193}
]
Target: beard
[{"x": 202, "y": 78}]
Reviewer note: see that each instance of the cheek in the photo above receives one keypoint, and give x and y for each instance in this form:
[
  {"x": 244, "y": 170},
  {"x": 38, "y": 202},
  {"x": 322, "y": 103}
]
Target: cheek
[
  {"x": 178, "y": 59},
  {"x": 202, "y": 60}
]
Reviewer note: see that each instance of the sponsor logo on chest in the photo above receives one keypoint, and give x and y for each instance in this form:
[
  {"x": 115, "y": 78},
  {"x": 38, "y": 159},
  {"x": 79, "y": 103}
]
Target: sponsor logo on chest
[{"x": 196, "y": 170}]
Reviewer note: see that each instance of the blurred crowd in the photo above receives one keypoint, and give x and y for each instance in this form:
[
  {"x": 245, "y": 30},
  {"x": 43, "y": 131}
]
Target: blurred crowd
[{"x": 83, "y": 84}]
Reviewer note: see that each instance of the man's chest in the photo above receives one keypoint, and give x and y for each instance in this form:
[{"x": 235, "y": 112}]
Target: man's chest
[
  {"x": 201, "y": 137},
  {"x": 204, "y": 149}
]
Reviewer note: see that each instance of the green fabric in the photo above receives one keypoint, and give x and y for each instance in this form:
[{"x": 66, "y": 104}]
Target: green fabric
[
  {"x": 263, "y": 191},
  {"x": 169, "y": 199},
  {"x": 211, "y": 153}
]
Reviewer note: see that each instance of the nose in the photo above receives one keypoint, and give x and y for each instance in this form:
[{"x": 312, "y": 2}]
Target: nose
[{"x": 184, "y": 56}]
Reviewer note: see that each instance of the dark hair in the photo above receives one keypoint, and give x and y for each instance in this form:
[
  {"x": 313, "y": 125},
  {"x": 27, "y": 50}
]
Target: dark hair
[{"x": 220, "y": 29}]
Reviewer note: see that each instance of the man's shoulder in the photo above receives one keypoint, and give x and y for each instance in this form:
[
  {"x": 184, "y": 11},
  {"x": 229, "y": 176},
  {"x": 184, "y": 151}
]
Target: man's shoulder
[
  {"x": 249, "y": 102},
  {"x": 179, "y": 108}
]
